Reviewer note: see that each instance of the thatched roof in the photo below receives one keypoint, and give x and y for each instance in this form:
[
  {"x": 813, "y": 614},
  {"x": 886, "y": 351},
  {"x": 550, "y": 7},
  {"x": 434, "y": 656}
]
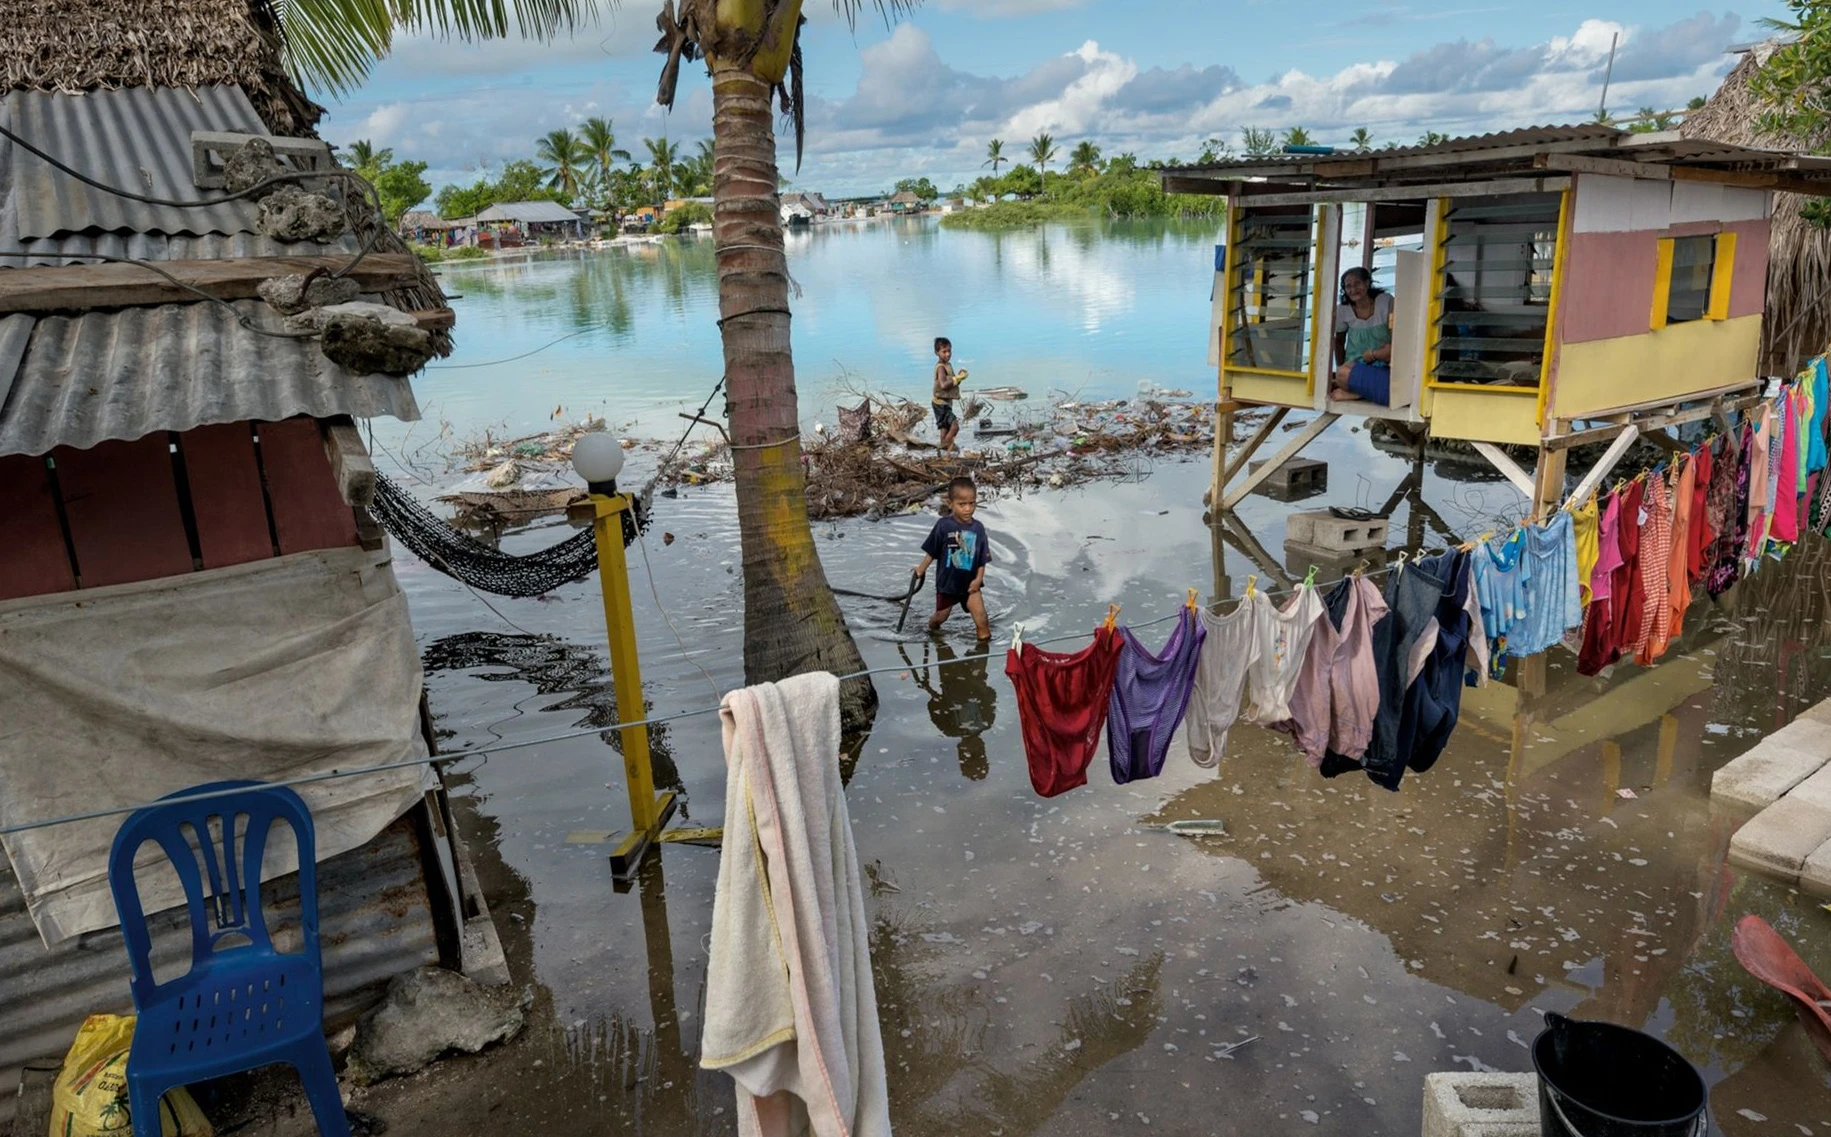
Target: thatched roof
[
  {"x": 86, "y": 45},
  {"x": 1798, "y": 321}
]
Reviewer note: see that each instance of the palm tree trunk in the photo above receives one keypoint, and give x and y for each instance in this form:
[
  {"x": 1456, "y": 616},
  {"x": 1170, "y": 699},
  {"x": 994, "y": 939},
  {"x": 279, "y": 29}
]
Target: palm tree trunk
[{"x": 792, "y": 622}]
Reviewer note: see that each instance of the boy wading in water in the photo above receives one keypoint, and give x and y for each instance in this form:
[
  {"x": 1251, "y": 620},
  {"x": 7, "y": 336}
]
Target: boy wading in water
[
  {"x": 959, "y": 545},
  {"x": 947, "y": 389}
]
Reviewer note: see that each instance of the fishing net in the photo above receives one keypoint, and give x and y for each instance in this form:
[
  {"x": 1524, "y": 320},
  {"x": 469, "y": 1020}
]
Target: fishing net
[{"x": 478, "y": 565}]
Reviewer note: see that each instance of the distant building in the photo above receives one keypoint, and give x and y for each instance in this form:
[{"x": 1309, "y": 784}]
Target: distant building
[
  {"x": 815, "y": 204},
  {"x": 905, "y": 202},
  {"x": 426, "y": 227},
  {"x": 513, "y": 223}
]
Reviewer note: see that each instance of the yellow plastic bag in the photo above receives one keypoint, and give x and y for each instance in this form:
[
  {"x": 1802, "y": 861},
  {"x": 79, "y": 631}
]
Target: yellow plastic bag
[{"x": 89, "y": 1098}]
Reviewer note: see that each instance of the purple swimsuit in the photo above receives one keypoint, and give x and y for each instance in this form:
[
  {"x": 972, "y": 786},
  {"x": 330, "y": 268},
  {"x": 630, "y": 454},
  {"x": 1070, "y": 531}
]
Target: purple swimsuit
[{"x": 1150, "y": 694}]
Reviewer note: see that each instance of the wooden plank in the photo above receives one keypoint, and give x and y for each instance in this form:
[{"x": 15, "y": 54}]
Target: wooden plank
[
  {"x": 1812, "y": 187},
  {"x": 121, "y": 499},
  {"x": 434, "y": 319},
  {"x": 1416, "y": 192},
  {"x": 226, "y": 499},
  {"x": 109, "y": 285},
  {"x": 1601, "y": 469},
  {"x": 1508, "y": 468},
  {"x": 33, "y": 557},
  {"x": 1252, "y": 444},
  {"x": 1291, "y": 449},
  {"x": 1613, "y": 167},
  {"x": 308, "y": 512},
  {"x": 350, "y": 464}
]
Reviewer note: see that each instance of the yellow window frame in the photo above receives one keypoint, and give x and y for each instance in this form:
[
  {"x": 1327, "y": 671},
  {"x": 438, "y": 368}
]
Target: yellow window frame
[{"x": 1722, "y": 278}]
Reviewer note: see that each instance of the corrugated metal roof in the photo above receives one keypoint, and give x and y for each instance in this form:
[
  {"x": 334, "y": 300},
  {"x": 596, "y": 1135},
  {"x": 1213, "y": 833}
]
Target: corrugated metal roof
[
  {"x": 138, "y": 139},
  {"x": 528, "y": 212},
  {"x": 375, "y": 921},
  {"x": 125, "y": 374}
]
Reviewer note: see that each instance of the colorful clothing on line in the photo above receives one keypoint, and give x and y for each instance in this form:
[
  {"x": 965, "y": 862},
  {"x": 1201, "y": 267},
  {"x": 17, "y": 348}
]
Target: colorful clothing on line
[
  {"x": 1608, "y": 550},
  {"x": 1230, "y": 648},
  {"x": 1284, "y": 637},
  {"x": 1817, "y": 456},
  {"x": 1413, "y": 596},
  {"x": 1785, "y": 525},
  {"x": 1149, "y": 695},
  {"x": 1726, "y": 566},
  {"x": 1337, "y": 693},
  {"x": 1434, "y": 700},
  {"x": 1699, "y": 533},
  {"x": 1585, "y": 523},
  {"x": 1530, "y": 593},
  {"x": 1062, "y": 703},
  {"x": 1655, "y": 571},
  {"x": 1678, "y": 573}
]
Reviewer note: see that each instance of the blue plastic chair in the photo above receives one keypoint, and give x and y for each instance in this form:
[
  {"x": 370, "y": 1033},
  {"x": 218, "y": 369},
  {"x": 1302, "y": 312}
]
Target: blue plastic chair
[{"x": 242, "y": 1005}]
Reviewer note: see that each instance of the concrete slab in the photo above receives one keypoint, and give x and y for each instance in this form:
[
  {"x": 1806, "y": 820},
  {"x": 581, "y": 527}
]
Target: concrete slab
[
  {"x": 1469, "y": 1104},
  {"x": 1818, "y": 712},
  {"x": 1815, "y": 789},
  {"x": 1758, "y": 778},
  {"x": 1780, "y": 838},
  {"x": 1811, "y": 736},
  {"x": 1815, "y": 874}
]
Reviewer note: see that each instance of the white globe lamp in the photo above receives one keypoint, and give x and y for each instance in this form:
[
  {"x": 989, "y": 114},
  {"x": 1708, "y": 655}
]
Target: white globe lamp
[{"x": 598, "y": 458}]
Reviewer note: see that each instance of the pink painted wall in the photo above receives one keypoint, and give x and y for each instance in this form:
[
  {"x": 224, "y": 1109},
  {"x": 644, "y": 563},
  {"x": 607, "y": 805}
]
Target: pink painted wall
[{"x": 1608, "y": 284}]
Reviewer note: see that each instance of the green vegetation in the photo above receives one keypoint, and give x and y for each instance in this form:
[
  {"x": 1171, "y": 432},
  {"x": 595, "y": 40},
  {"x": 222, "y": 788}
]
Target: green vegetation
[
  {"x": 678, "y": 220},
  {"x": 520, "y": 180},
  {"x": 1042, "y": 149},
  {"x": 921, "y": 187},
  {"x": 399, "y": 185},
  {"x": 466, "y": 253},
  {"x": 1794, "y": 87},
  {"x": 1118, "y": 187}
]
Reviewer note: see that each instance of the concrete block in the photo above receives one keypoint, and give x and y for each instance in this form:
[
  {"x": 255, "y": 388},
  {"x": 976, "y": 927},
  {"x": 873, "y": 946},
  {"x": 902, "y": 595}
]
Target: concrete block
[
  {"x": 1818, "y": 712},
  {"x": 1810, "y": 736},
  {"x": 1298, "y": 557},
  {"x": 1780, "y": 838},
  {"x": 1299, "y": 475},
  {"x": 1322, "y": 529},
  {"x": 1468, "y": 1104},
  {"x": 1815, "y": 874},
  {"x": 1816, "y": 789},
  {"x": 1758, "y": 778}
]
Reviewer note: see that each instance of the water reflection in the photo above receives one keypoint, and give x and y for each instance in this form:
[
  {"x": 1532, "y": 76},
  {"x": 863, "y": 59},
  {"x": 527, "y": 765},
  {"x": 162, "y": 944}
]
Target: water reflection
[{"x": 961, "y": 701}]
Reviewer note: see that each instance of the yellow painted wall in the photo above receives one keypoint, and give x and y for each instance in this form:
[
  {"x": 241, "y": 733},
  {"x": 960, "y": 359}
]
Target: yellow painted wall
[
  {"x": 1249, "y": 388},
  {"x": 1681, "y": 359},
  {"x": 1485, "y": 416}
]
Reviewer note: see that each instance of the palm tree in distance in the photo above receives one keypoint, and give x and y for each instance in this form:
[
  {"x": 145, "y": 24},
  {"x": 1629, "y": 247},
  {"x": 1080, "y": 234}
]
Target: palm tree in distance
[
  {"x": 600, "y": 139},
  {"x": 1361, "y": 139},
  {"x": 564, "y": 156},
  {"x": 1432, "y": 138},
  {"x": 1042, "y": 150},
  {"x": 662, "y": 155},
  {"x": 1258, "y": 141},
  {"x": 1297, "y": 136},
  {"x": 995, "y": 155},
  {"x": 364, "y": 155},
  {"x": 1084, "y": 159}
]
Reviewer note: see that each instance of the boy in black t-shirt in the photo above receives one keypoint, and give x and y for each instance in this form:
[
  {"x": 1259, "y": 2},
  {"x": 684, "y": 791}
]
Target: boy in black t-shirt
[{"x": 962, "y": 549}]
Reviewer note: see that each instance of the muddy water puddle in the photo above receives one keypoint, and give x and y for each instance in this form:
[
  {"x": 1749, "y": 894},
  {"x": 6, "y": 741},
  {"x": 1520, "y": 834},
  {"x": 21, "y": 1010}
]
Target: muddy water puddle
[{"x": 1067, "y": 965}]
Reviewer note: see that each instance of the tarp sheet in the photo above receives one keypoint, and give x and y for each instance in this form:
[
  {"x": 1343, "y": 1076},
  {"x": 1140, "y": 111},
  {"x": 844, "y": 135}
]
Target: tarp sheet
[{"x": 272, "y": 670}]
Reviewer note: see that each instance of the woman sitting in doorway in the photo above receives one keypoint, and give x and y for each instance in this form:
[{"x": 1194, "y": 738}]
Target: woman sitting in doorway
[{"x": 1363, "y": 340}]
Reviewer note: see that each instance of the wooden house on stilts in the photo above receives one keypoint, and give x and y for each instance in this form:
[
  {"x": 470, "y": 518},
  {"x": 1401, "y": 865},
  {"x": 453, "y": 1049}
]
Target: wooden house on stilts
[{"x": 1551, "y": 286}]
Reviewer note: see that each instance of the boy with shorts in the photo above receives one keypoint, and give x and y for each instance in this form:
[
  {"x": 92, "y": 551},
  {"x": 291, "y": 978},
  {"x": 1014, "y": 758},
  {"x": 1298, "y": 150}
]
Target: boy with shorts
[
  {"x": 960, "y": 546},
  {"x": 947, "y": 389}
]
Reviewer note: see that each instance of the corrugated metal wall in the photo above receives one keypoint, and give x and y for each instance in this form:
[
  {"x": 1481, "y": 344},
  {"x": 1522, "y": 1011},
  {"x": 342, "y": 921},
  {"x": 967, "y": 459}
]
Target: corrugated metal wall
[{"x": 375, "y": 921}]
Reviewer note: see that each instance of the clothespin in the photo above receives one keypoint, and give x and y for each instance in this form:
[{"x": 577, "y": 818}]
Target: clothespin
[
  {"x": 1251, "y": 582},
  {"x": 1398, "y": 568},
  {"x": 1360, "y": 569},
  {"x": 1309, "y": 578},
  {"x": 1112, "y": 614},
  {"x": 1017, "y": 638},
  {"x": 1191, "y": 601}
]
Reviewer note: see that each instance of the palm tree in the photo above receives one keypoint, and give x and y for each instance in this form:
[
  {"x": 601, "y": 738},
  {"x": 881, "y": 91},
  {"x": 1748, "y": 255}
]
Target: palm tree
[
  {"x": 752, "y": 48},
  {"x": 1085, "y": 159},
  {"x": 564, "y": 154},
  {"x": 364, "y": 156},
  {"x": 1042, "y": 149},
  {"x": 1297, "y": 136},
  {"x": 1432, "y": 138},
  {"x": 600, "y": 140},
  {"x": 1257, "y": 141},
  {"x": 995, "y": 155},
  {"x": 662, "y": 158},
  {"x": 1361, "y": 139}
]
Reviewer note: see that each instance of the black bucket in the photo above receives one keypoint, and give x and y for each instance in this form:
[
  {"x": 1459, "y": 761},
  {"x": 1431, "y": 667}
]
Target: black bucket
[{"x": 1603, "y": 1080}]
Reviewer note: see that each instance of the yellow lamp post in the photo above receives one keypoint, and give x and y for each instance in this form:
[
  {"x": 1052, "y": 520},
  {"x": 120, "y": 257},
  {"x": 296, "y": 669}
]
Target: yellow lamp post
[{"x": 598, "y": 458}]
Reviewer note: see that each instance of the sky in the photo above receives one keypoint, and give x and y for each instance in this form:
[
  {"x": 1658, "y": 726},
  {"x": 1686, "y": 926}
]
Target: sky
[{"x": 921, "y": 97}]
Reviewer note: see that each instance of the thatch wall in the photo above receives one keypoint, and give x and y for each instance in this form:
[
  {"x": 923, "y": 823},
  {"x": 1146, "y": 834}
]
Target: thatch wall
[
  {"x": 1798, "y": 319},
  {"x": 85, "y": 45}
]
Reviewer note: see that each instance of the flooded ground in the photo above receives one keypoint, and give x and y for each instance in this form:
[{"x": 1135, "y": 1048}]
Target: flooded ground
[{"x": 1063, "y": 966}]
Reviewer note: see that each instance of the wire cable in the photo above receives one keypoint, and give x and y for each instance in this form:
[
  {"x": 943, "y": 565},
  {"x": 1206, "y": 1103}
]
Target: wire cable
[{"x": 515, "y": 358}]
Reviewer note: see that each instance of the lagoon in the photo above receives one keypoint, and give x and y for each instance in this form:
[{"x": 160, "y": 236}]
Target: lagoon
[{"x": 1092, "y": 309}]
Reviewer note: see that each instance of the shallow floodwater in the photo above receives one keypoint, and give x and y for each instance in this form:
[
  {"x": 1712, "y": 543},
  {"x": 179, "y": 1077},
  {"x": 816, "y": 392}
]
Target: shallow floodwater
[{"x": 1066, "y": 965}]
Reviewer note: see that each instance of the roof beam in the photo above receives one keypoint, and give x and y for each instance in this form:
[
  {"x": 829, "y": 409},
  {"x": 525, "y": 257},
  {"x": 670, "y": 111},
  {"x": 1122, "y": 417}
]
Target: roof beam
[
  {"x": 1412, "y": 192},
  {"x": 1614, "y": 167},
  {"x": 114, "y": 284},
  {"x": 1811, "y": 187}
]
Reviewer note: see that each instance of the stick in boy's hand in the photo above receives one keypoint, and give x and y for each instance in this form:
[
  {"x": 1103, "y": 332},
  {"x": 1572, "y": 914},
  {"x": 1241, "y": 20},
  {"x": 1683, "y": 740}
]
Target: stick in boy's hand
[{"x": 915, "y": 586}]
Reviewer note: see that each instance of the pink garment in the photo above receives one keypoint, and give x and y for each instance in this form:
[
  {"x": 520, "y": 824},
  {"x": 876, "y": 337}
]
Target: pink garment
[
  {"x": 1758, "y": 481},
  {"x": 1785, "y": 526},
  {"x": 1608, "y": 546},
  {"x": 1337, "y": 692}
]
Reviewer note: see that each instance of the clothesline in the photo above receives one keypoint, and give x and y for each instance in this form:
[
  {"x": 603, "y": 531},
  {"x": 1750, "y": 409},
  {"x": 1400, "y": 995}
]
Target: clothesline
[{"x": 524, "y": 744}]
